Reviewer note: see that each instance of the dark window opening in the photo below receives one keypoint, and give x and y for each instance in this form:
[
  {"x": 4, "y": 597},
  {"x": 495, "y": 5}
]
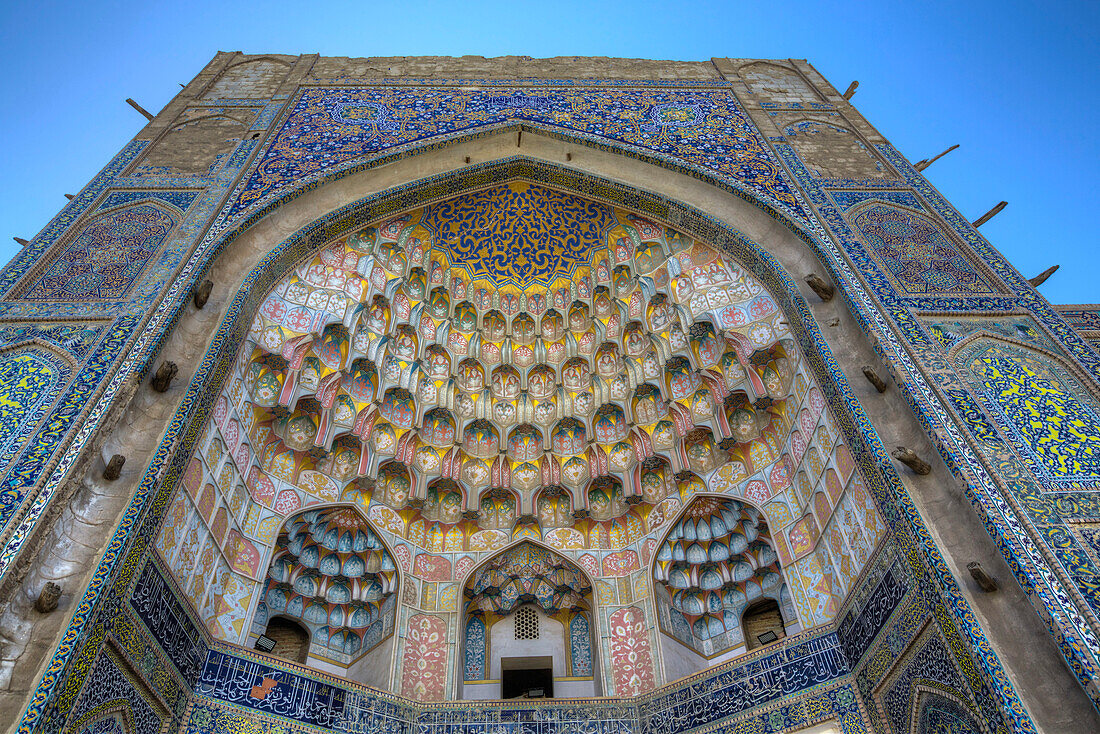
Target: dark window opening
[{"x": 527, "y": 677}]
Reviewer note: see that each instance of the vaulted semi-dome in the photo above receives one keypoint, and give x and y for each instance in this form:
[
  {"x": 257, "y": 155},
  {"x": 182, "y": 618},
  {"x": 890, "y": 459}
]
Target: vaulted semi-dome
[
  {"x": 331, "y": 572},
  {"x": 511, "y": 339},
  {"x": 714, "y": 563}
]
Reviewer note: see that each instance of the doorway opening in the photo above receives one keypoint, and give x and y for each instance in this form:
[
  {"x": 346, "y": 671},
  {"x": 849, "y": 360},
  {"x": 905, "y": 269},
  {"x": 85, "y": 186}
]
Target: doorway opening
[{"x": 527, "y": 677}]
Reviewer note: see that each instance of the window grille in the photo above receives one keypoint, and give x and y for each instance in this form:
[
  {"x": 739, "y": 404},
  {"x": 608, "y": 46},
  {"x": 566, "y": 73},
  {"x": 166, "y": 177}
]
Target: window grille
[{"x": 527, "y": 624}]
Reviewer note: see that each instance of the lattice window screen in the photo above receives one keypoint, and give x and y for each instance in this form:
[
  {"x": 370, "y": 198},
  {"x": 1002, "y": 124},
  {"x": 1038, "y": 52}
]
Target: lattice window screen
[{"x": 527, "y": 624}]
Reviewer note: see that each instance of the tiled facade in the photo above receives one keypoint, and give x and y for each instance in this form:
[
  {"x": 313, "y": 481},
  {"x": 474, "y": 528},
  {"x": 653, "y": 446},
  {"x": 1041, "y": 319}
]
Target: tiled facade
[{"x": 351, "y": 449}]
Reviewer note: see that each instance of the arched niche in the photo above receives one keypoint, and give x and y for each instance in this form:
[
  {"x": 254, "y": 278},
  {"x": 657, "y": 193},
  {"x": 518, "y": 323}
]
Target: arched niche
[
  {"x": 696, "y": 358},
  {"x": 256, "y": 78},
  {"x": 915, "y": 252},
  {"x": 197, "y": 146},
  {"x": 32, "y": 375},
  {"x": 935, "y": 710},
  {"x": 1040, "y": 405},
  {"x": 715, "y": 564},
  {"x": 528, "y": 608},
  {"x": 331, "y": 576},
  {"x": 811, "y": 138},
  {"x": 77, "y": 270}
]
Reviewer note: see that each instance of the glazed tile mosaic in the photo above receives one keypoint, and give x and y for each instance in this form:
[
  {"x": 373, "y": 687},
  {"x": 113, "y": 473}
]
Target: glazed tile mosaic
[
  {"x": 517, "y": 391},
  {"x": 704, "y": 127}
]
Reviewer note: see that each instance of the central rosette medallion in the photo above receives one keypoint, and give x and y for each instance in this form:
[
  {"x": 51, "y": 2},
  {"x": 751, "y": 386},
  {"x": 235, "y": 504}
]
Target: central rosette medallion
[{"x": 518, "y": 234}]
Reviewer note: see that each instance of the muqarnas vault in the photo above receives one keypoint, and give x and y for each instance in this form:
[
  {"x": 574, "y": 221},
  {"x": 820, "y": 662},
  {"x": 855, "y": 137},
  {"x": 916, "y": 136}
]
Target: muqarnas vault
[{"x": 471, "y": 396}]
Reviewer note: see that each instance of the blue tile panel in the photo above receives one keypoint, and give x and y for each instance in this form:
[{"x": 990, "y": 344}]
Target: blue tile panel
[
  {"x": 235, "y": 687},
  {"x": 327, "y": 130},
  {"x": 651, "y": 121}
]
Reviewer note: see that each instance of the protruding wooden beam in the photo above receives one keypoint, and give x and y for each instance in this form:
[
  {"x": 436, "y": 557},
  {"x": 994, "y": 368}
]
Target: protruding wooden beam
[
  {"x": 823, "y": 290},
  {"x": 911, "y": 460},
  {"x": 21, "y": 242},
  {"x": 873, "y": 378},
  {"x": 850, "y": 90},
  {"x": 139, "y": 108},
  {"x": 70, "y": 197},
  {"x": 568, "y": 156},
  {"x": 990, "y": 214},
  {"x": 927, "y": 162},
  {"x": 162, "y": 380},
  {"x": 114, "y": 467},
  {"x": 519, "y": 138},
  {"x": 47, "y": 598},
  {"x": 987, "y": 582},
  {"x": 200, "y": 294},
  {"x": 1041, "y": 278}
]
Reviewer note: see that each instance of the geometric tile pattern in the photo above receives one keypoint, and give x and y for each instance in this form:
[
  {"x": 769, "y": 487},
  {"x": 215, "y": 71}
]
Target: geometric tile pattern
[
  {"x": 914, "y": 250},
  {"x": 885, "y": 309},
  {"x": 105, "y": 259},
  {"x": 372, "y": 136}
]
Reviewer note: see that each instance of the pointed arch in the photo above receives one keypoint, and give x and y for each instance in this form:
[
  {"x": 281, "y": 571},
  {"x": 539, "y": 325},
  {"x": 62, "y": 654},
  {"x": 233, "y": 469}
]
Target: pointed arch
[
  {"x": 76, "y": 270},
  {"x": 715, "y": 560},
  {"x": 333, "y": 573},
  {"x": 527, "y": 576}
]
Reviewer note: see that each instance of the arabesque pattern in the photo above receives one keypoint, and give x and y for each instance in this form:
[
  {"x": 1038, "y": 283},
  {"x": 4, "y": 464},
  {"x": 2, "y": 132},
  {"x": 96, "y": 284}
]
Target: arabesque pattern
[{"x": 236, "y": 492}]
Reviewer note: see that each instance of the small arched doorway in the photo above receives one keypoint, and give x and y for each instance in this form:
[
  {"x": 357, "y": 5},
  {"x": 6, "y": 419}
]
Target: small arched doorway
[
  {"x": 528, "y": 628},
  {"x": 762, "y": 623},
  {"x": 286, "y": 639}
]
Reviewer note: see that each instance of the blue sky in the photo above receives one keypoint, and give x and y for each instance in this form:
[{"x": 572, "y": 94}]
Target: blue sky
[{"x": 1013, "y": 83}]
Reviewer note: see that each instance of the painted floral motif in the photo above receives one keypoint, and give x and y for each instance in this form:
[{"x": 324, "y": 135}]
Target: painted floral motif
[
  {"x": 475, "y": 650},
  {"x": 424, "y": 666},
  {"x": 580, "y": 647},
  {"x": 631, "y": 659}
]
